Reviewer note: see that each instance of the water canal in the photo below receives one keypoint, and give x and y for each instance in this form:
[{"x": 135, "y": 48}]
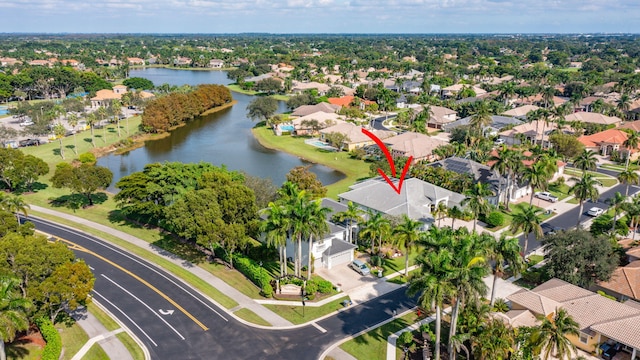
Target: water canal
[{"x": 222, "y": 138}]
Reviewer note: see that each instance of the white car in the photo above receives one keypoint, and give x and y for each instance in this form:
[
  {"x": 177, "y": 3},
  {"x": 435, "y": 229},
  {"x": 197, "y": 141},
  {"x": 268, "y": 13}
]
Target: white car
[
  {"x": 595, "y": 211},
  {"x": 26, "y": 123},
  {"x": 499, "y": 142},
  {"x": 543, "y": 195}
]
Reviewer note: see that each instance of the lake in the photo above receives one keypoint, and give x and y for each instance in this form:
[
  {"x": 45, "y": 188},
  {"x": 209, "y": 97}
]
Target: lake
[{"x": 221, "y": 138}]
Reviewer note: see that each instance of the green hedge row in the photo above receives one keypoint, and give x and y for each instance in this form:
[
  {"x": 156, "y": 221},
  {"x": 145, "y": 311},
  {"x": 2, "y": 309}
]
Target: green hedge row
[
  {"x": 256, "y": 273},
  {"x": 53, "y": 349}
]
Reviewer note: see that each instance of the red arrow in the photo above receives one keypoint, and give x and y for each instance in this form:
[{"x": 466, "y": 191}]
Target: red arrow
[{"x": 390, "y": 161}]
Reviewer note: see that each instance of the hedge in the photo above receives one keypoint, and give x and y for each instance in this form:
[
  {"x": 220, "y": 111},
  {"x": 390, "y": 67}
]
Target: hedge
[
  {"x": 494, "y": 219},
  {"x": 53, "y": 349},
  {"x": 257, "y": 274}
]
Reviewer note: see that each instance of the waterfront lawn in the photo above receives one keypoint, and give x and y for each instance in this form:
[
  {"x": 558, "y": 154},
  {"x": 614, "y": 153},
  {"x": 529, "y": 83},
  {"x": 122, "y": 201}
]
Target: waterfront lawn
[{"x": 353, "y": 169}]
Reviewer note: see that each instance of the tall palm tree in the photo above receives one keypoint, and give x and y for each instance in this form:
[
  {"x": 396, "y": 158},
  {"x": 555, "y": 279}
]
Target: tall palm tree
[
  {"x": 623, "y": 105},
  {"x": 407, "y": 234},
  {"x": 300, "y": 212},
  {"x": 440, "y": 211},
  {"x": 550, "y": 338},
  {"x": 276, "y": 226},
  {"x": 91, "y": 120},
  {"x": 454, "y": 213},
  {"x": 528, "y": 220},
  {"x": 13, "y": 308},
  {"x": 537, "y": 175},
  {"x": 628, "y": 177},
  {"x": 351, "y": 215},
  {"x": 375, "y": 228},
  {"x": 318, "y": 228},
  {"x": 505, "y": 251},
  {"x": 102, "y": 112},
  {"x": 616, "y": 202},
  {"x": 583, "y": 189},
  {"x": 477, "y": 200},
  {"x": 633, "y": 212},
  {"x": 59, "y": 132},
  {"x": 73, "y": 121},
  {"x": 632, "y": 142},
  {"x": 507, "y": 162},
  {"x": 15, "y": 205},
  {"x": 433, "y": 285},
  {"x": 586, "y": 160},
  {"x": 481, "y": 117}
]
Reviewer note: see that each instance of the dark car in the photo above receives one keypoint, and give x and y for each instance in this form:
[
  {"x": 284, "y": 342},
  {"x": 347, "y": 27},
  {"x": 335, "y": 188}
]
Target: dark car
[
  {"x": 29, "y": 142},
  {"x": 609, "y": 350},
  {"x": 550, "y": 230}
]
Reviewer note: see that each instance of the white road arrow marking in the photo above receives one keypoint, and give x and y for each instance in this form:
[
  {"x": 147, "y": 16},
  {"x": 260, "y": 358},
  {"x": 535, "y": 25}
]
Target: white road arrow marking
[{"x": 167, "y": 312}]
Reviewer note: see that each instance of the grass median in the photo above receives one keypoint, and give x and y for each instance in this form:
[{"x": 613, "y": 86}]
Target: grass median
[
  {"x": 353, "y": 169},
  {"x": 300, "y": 314}
]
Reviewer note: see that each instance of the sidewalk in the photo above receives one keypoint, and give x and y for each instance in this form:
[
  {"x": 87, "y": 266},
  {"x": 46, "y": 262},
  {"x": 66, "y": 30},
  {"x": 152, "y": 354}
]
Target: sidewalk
[
  {"x": 99, "y": 334},
  {"x": 243, "y": 300}
]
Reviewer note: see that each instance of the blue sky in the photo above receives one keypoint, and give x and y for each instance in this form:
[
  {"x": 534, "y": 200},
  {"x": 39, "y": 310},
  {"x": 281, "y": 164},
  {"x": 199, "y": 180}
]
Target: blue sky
[{"x": 320, "y": 16}]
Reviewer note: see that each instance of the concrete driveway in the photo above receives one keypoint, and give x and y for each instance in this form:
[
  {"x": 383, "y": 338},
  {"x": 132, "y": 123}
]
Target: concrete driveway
[{"x": 345, "y": 277}]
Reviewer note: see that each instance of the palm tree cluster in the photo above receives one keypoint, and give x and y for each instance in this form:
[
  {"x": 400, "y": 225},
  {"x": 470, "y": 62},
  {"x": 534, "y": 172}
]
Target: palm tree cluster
[
  {"x": 13, "y": 204},
  {"x": 296, "y": 217}
]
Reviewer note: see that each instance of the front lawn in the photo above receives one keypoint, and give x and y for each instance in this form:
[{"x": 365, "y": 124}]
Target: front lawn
[
  {"x": 395, "y": 264},
  {"x": 373, "y": 344},
  {"x": 606, "y": 180},
  {"x": 295, "y": 313},
  {"x": 518, "y": 208}
]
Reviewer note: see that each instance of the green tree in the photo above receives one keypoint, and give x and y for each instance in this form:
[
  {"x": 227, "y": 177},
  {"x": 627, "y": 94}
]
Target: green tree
[
  {"x": 507, "y": 162},
  {"x": 60, "y": 132},
  {"x": 14, "y": 204},
  {"x": 406, "y": 235},
  {"x": 631, "y": 143},
  {"x": 628, "y": 177},
  {"x": 495, "y": 340},
  {"x": 262, "y": 108},
  {"x": 538, "y": 176},
  {"x": 13, "y": 312},
  {"x": 318, "y": 227},
  {"x": 585, "y": 161},
  {"x": 616, "y": 204},
  {"x": 91, "y": 119},
  {"x": 550, "y": 338},
  {"x": 85, "y": 179},
  {"x": 528, "y": 221},
  {"x": 505, "y": 251},
  {"x": 477, "y": 200},
  {"x": 579, "y": 258},
  {"x": 405, "y": 342},
  {"x": 433, "y": 285},
  {"x": 65, "y": 290},
  {"x": 276, "y": 228},
  {"x": 567, "y": 145},
  {"x": 353, "y": 214},
  {"x": 138, "y": 83},
  {"x": 307, "y": 180},
  {"x": 73, "y": 122},
  {"x": 375, "y": 228},
  {"x": 583, "y": 189}
]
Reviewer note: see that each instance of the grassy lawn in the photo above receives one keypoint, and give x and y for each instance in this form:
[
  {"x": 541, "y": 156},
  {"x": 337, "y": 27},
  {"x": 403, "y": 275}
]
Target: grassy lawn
[
  {"x": 96, "y": 353},
  {"x": 391, "y": 265},
  {"x": 102, "y": 316},
  {"x": 515, "y": 209},
  {"x": 233, "y": 278},
  {"x": 73, "y": 339},
  {"x": 373, "y": 345},
  {"x": 561, "y": 192},
  {"x": 401, "y": 280},
  {"x": 353, "y": 169},
  {"x": 238, "y": 89},
  {"x": 606, "y": 180},
  {"x": 251, "y": 317},
  {"x": 294, "y": 313},
  {"x": 19, "y": 351},
  {"x": 131, "y": 345},
  {"x": 50, "y": 152},
  {"x": 616, "y": 167}
]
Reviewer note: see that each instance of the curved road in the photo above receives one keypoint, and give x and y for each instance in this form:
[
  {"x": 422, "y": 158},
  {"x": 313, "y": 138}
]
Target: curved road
[{"x": 177, "y": 322}]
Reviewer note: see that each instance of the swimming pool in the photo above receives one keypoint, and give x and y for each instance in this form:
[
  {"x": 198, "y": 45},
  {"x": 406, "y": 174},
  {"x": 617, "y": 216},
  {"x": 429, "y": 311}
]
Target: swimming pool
[
  {"x": 319, "y": 144},
  {"x": 288, "y": 128},
  {"x": 4, "y": 110}
]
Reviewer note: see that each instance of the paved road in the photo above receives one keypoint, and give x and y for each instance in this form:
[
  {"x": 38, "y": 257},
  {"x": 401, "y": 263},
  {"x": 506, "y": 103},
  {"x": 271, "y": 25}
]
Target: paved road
[
  {"x": 139, "y": 292},
  {"x": 569, "y": 219}
]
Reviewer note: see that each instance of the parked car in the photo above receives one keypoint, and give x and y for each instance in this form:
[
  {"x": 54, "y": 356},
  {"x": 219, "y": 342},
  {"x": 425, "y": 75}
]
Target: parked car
[
  {"x": 499, "y": 142},
  {"x": 595, "y": 211},
  {"x": 547, "y": 196},
  {"x": 29, "y": 142},
  {"x": 360, "y": 267},
  {"x": 25, "y": 123},
  {"x": 550, "y": 230},
  {"x": 609, "y": 350}
]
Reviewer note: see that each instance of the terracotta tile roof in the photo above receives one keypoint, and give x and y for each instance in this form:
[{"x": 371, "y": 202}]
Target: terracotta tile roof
[
  {"x": 535, "y": 302},
  {"x": 611, "y": 136},
  {"x": 625, "y": 280},
  {"x": 354, "y": 132},
  {"x": 346, "y": 101},
  {"x": 310, "y": 109},
  {"x": 106, "y": 95},
  {"x": 634, "y": 252},
  {"x": 625, "y": 330},
  {"x": 533, "y": 128},
  {"x": 518, "y": 318},
  {"x": 520, "y": 110},
  {"x": 414, "y": 144},
  {"x": 561, "y": 291},
  {"x": 634, "y": 125},
  {"x": 322, "y": 117}
]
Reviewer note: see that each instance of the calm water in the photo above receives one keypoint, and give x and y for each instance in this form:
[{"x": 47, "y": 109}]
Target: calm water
[{"x": 222, "y": 138}]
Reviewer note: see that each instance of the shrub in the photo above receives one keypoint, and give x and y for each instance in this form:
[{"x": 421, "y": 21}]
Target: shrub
[
  {"x": 312, "y": 287},
  {"x": 87, "y": 158},
  {"x": 255, "y": 273},
  {"x": 495, "y": 218},
  {"x": 375, "y": 261},
  {"x": 54, "y": 343},
  {"x": 325, "y": 286}
]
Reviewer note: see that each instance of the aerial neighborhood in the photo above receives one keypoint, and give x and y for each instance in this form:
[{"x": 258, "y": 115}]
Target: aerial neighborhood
[{"x": 330, "y": 197}]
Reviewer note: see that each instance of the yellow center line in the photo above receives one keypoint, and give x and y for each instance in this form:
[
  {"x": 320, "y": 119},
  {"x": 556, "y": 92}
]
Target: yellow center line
[{"x": 77, "y": 247}]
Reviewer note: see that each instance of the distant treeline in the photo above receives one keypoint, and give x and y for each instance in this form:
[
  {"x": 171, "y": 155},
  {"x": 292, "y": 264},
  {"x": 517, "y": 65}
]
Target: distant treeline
[{"x": 175, "y": 109}]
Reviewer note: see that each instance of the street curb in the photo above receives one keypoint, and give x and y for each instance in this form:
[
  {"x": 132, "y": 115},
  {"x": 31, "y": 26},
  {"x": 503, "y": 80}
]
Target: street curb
[{"x": 145, "y": 350}]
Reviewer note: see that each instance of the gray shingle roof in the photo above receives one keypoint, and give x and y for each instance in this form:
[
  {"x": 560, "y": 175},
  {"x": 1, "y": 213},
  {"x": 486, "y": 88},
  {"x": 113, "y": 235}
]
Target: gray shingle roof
[{"x": 338, "y": 246}]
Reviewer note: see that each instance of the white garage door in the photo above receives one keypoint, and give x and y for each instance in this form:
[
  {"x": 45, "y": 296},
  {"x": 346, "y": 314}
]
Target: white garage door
[{"x": 342, "y": 258}]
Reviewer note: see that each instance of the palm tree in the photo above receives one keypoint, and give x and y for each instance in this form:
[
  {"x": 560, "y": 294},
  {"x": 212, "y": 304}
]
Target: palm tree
[
  {"x": 505, "y": 251},
  {"x": 616, "y": 204},
  {"x": 374, "y": 228},
  {"x": 548, "y": 92},
  {"x": 623, "y": 105},
  {"x": 633, "y": 212},
  {"x": 407, "y": 233},
  {"x": 13, "y": 308},
  {"x": 507, "y": 162},
  {"x": 300, "y": 212},
  {"x": 481, "y": 117},
  {"x": 102, "y": 112},
  {"x": 276, "y": 226},
  {"x": 432, "y": 283},
  {"x": 495, "y": 340},
  {"x": 73, "y": 121},
  {"x": 116, "y": 105},
  {"x": 60, "y": 131},
  {"x": 440, "y": 211},
  {"x": 550, "y": 338},
  {"x": 583, "y": 189},
  {"x": 318, "y": 227},
  {"x": 91, "y": 120},
  {"x": 632, "y": 142},
  {"x": 628, "y": 177},
  {"x": 352, "y": 214},
  {"x": 454, "y": 213},
  {"x": 528, "y": 220},
  {"x": 585, "y": 161},
  {"x": 537, "y": 175},
  {"x": 477, "y": 200},
  {"x": 15, "y": 205}
]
